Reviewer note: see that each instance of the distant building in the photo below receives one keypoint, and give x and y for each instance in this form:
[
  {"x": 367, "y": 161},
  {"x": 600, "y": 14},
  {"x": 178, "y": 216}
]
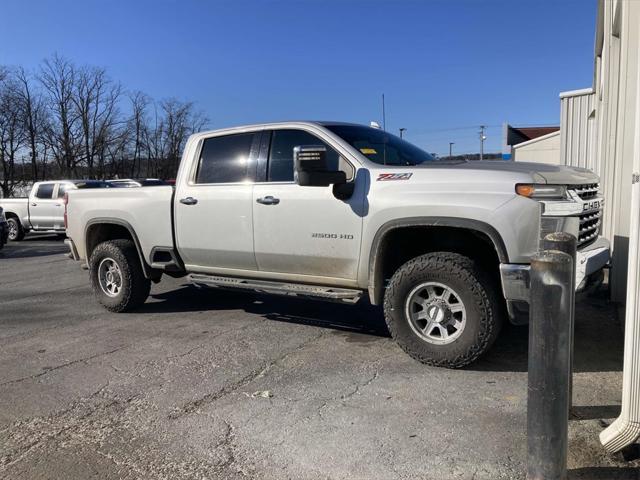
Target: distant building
[{"x": 531, "y": 144}]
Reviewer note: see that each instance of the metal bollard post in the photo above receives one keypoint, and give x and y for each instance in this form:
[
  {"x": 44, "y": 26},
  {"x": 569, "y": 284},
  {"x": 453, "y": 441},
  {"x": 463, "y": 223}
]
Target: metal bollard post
[
  {"x": 549, "y": 336},
  {"x": 567, "y": 243}
]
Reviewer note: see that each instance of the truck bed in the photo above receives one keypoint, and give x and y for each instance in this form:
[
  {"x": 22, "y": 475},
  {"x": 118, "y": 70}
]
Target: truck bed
[{"x": 143, "y": 209}]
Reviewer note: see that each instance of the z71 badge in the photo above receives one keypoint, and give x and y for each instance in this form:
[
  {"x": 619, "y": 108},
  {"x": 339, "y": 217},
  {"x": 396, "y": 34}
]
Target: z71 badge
[{"x": 383, "y": 177}]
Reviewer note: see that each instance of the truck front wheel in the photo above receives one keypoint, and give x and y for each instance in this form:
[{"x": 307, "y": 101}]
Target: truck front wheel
[
  {"x": 442, "y": 310},
  {"x": 117, "y": 277},
  {"x": 16, "y": 232}
]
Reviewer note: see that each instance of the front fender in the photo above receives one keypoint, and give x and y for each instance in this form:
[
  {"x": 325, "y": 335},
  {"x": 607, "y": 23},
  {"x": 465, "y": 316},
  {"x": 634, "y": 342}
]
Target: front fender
[{"x": 375, "y": 282}]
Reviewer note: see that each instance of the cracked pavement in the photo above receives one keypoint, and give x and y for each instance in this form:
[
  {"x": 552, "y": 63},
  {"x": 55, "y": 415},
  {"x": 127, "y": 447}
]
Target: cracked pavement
[{"x": 167, "y": 392}]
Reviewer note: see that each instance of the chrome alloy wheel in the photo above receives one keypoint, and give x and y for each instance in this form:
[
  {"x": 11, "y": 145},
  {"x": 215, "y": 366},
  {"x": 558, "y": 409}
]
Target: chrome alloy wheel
[
  {"x": 436, "y": 313},
  {"x": 13, "y": 230},
  {"x": 110, "y": 277}
]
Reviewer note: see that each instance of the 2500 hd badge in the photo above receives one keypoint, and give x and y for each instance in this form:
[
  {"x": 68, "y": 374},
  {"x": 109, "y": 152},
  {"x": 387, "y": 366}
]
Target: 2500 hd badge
[{"x": 333, "y": 236}]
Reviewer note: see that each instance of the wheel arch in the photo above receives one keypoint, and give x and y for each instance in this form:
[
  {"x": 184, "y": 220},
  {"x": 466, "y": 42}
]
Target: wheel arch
[
  {"x": 381, "y": 247},
  {"x": 100, "y": 230},
  {"x": 9, "y": 214}
]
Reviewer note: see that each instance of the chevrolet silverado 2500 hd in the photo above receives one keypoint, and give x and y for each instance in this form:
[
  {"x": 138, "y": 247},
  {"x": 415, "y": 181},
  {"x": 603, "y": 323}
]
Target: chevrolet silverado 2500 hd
[
  {"x": 43, "y": 210},
  {"x": 334, "y": 211}
]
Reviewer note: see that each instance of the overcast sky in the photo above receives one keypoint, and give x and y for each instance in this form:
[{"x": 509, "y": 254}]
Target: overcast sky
[{"x": 445, "y": 66}]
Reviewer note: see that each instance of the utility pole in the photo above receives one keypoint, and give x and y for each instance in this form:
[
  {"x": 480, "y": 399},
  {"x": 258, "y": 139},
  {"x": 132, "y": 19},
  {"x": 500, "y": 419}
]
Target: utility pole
[
  {"x": 482, "y": 139},
  {"x": 451, "y": 144},
  {"x": 384, "y": 118},
  {"x": 402, "y": 130}
]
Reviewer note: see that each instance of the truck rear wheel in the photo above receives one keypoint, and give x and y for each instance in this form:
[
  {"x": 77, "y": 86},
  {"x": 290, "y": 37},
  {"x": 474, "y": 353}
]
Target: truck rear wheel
[
  {"x": 442, "y": 310},
  {"x": 117, "y": 277},
  {"x": 16, "y": 232}
]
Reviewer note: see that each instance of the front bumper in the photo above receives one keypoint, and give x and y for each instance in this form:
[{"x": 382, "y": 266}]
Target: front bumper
[{"x": 589, "y": 260}]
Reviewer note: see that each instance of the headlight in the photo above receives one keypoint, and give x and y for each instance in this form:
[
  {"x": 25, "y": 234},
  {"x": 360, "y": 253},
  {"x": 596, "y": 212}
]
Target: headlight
[{"x": 549, "y": 192}]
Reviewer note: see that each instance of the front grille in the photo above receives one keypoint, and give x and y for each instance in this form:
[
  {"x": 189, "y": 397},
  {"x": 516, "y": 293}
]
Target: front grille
[
  {"x": 590, "y": 223},
  {"x": 587, "y": 191},
  {"x": 589, "y": 228}
]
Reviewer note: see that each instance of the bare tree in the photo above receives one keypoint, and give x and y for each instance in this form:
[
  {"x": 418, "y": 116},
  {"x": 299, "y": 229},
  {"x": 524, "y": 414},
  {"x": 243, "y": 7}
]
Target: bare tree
[
  {"x": 95, "y": 98},
  {"x": 34, "y": 115},
  {"x": 180, "y": 121},
  {"x": 137, "y": 127},
  {"x": 12, "y": 133},
  {"x": 71, "y": 120},
  {"x": 58, "y": 77},
  {"x": 154, "y": 143}
]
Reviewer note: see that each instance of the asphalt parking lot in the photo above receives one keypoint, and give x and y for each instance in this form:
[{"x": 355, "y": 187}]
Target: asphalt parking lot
[{"x": 218, "y": 385}]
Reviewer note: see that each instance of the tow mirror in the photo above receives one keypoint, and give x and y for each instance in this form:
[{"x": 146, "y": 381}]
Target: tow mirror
[{"x": 311, "y": 167}]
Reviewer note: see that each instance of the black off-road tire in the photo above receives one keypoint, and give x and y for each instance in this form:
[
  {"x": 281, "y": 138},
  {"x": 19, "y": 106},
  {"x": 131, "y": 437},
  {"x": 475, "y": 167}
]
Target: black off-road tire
[
  {"x": 134, "y": 286},
  {"x": 14, "y": 224},
  {"x": 479, "y": 293}
]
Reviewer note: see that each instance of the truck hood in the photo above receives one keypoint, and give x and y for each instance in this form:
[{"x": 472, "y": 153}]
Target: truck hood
[{"x": 539, "y": 172}]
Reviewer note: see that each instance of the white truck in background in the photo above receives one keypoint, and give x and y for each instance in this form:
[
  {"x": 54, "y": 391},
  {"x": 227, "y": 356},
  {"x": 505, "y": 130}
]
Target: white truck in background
[
  {"x": 335, "y": 211},
  {"x": 43, "y": 210}
]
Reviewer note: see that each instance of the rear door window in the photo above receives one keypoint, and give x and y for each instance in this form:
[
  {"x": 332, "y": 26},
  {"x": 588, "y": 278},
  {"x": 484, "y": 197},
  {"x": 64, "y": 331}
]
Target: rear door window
[
  {"x": 228, "y": 159},
  {"x": 45, "y": 191}
]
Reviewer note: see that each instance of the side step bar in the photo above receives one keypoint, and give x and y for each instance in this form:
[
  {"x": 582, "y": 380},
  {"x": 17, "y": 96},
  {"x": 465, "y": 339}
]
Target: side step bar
[{"x": 278, "y": 288}]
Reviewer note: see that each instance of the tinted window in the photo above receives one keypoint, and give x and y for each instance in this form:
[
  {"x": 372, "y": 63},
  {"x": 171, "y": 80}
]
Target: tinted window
[
  {"x": 380, "y": 146},
  {"x": 45, "y": 191},
  {"x": 225, "y": 159},
  {"x": 62, "y": 189},
  {"x": 281, "y": 153},
  {"x": 91, "y": 185}
]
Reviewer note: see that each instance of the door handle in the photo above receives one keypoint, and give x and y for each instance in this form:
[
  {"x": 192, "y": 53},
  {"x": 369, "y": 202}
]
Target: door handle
[
  {"x": 34, "y": 204},
  {"x": 58, "y": 204},
  {"x": 268, "y": 200},
  {"x": 189, "y": 201}
]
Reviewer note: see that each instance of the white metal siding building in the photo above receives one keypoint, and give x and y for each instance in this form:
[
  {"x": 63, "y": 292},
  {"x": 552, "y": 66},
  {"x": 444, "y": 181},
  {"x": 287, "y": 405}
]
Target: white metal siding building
[
  {"x": 598, "y": 126},
  {"x": 600, "y": 130}
]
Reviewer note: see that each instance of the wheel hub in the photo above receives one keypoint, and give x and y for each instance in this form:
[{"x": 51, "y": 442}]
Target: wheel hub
[
  {"x": 436, "y": 313},
  {"x": 13, "y": 230},
  {"x": 110, "y": 277}
]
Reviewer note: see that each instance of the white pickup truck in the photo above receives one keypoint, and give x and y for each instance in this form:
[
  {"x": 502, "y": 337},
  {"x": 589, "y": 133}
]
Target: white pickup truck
[
  {"x": 43, "y": 210},
  {"x": 333, "y": 211}
]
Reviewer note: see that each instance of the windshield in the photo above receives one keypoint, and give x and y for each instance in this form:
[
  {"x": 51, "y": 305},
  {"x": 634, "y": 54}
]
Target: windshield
[{"x": 380, "y": 146}]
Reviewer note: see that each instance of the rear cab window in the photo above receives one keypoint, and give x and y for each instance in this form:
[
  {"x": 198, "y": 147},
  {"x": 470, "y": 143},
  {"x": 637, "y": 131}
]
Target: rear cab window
[
  {"x": 228, "y": 159},
  {"x": 62, "y": 189}
]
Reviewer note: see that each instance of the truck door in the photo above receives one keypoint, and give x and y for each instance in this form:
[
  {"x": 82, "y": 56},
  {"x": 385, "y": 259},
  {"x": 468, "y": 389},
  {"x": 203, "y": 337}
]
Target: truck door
[
  {"x": 42, "y": 206},
  {"x": 305, "y": 230},
  {"x": 213, "y": 208},
  {"x": 58, "y": 211}
]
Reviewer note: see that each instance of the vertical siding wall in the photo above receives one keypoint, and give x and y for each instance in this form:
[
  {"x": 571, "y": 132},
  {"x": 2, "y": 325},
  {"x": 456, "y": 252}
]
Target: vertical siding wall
[
  {"x": 616, "y": 87},
  {"x": 597, "y": 125},
  {"x": 577, "y": 129}
]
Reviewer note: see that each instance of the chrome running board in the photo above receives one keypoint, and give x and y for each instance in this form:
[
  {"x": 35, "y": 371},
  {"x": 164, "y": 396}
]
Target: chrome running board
[{"x": 277, "y": 288}]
